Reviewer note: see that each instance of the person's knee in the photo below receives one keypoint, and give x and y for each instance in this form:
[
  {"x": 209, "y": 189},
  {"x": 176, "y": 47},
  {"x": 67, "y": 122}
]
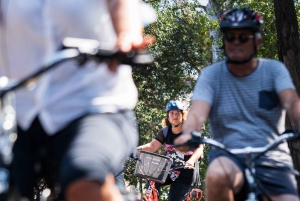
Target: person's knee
[
  {"x": 82, "y": 189},
  {"x": 282, "y": 197},
  {"x": 215, "y": 177},
  {"x": 222, "y": 171},
  {"x": 76, "y": 188}
]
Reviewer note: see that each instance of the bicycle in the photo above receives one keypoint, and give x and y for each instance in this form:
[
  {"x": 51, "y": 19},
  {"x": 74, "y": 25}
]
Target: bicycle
[
  {"x": 251, "y": 153},
  {"x": 80, "y": 50},
  {"x": 155, "y": 168}
]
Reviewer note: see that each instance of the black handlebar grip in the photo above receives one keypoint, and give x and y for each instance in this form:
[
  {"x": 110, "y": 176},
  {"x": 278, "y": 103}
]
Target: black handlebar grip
[
  {"x": 195, "y": 141},
  {"x": 131, "y": 58}
]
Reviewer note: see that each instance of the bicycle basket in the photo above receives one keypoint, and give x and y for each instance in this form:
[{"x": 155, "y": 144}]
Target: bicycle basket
[{"x": 153, "y": 166}]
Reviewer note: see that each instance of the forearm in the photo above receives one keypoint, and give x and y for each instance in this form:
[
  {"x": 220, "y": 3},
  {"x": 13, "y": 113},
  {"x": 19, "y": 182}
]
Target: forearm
[
  {"x": 294, "y": 114},
  {"x": 150, "y": 147},
  {"x": 126, "y": 18},
  {"x": 146, "y": 147},
  {"x": 196, "y": 117},
  {"x": 193, "y": 123},
  {"x": 290, "y": 101},
  {"x": 196, "y": 155}
]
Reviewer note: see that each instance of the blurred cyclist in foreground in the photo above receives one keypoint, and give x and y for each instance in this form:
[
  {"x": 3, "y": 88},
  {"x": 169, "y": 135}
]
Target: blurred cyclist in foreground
[{"x": 71, "y": 122}]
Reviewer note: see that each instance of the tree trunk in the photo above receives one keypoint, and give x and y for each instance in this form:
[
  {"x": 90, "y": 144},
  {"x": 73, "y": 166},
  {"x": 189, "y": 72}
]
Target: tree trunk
[
  {"x": 288, "y": 38},
  {"x": 214, "y": 34},
  {"x": 289, "y": 54}
]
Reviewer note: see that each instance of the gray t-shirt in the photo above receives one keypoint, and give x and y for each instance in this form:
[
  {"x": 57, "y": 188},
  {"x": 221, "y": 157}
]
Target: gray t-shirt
[{"x": 246, "y": 111}]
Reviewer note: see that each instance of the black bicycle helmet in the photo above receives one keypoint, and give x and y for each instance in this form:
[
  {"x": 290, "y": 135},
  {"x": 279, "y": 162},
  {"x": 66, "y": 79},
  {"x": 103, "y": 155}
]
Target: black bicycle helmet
[
  {"x": 239, "y": 18},
  {"x": 174, "y": 105}
]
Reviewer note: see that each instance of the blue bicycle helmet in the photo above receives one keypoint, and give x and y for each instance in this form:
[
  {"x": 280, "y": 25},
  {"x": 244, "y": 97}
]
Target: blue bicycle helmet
[
  {"x": 174, "y": 105},
  {"x": 239, "y": 18}
]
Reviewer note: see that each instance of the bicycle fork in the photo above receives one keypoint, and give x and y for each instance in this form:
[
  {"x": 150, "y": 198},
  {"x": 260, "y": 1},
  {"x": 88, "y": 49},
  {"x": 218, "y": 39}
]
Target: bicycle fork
[
  {"x": 249, "y": 173},
  {"x": 251, "y": 185}
]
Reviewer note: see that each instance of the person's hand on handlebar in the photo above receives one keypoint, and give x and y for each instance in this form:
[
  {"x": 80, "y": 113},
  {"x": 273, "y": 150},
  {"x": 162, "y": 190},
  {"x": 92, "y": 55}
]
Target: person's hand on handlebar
[
  {"x": 135, "y": 155},
  {"x": 125, "y": 44},
  {"x": 181, "y": 140},
  {"x": 136, "y": 152},
  {"x": 189, "y": 165}
]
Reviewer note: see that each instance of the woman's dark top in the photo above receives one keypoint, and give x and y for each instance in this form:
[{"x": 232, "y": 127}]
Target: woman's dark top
[{"x": 186, "y": 176}]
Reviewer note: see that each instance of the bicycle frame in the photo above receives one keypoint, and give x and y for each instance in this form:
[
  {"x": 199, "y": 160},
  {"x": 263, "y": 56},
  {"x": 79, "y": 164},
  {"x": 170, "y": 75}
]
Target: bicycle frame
[{"x": 251, "y": 153}]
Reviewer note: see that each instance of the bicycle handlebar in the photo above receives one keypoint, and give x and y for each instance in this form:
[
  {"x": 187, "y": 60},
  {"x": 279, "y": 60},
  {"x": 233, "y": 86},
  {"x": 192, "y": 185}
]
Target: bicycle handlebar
[
  {"x": 184, "y": 166},
  {"x": 289, "y": 134},
  {"x": 81, "y": 50},
  {"x": 94, "y": 50},
  {"x": 196, "y": 140}
]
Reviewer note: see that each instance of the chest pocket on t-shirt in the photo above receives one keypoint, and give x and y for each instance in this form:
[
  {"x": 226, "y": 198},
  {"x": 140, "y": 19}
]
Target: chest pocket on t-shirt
[{"x": 268, "y": 100}]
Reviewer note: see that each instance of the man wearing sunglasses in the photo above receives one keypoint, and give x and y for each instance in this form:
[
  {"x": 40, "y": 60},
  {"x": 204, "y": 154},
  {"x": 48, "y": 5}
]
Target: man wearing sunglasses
[{"x": 245, "y": 99}]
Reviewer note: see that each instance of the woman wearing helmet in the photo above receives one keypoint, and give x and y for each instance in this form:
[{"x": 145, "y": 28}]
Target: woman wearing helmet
[{"x": 181, "y": 180}]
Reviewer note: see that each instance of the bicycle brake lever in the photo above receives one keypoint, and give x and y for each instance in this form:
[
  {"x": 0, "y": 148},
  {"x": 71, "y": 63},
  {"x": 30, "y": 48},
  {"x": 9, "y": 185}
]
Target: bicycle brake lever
[
  {"x": 131, "y": 58},
  {"x": 92, "y": 48},
  {"x": 290, "y": 130},
  {"x": 294, "y": 131},
  {"x": 193, "y": 143},
  {"x": 135, "y": 157}
]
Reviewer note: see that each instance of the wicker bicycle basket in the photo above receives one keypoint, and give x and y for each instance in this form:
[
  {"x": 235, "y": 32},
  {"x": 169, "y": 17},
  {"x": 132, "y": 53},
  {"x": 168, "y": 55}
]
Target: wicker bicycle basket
[{"x": 153, "y": 166}]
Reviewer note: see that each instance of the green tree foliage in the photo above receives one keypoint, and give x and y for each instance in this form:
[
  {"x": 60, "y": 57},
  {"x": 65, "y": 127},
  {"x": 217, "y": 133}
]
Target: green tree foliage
[
  {"x": 264, "y": 8},
  {"x": 182, "y": 49}
]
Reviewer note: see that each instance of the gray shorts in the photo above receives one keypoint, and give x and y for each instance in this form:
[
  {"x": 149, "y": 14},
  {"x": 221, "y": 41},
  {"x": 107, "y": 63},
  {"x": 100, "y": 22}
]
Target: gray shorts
[
  {"x": 274, "y": 180},
  {"x": 89, "y": 147}
]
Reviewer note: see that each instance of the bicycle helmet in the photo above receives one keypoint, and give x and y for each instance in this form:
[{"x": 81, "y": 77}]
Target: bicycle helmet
[
  {"x": 174, "y": 105},
  {"x": 239, "y": 18},
  {"x": 242, "y": 18}
]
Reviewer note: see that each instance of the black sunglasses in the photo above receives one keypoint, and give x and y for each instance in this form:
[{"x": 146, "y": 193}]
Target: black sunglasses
[{"x": 243, "y": 38}]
